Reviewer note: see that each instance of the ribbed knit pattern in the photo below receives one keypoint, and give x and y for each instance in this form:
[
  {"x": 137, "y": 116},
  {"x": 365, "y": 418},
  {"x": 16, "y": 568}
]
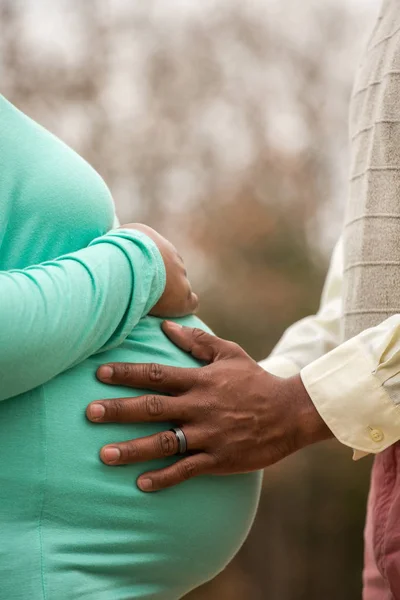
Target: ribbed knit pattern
[{"x": 372, "y": 225}]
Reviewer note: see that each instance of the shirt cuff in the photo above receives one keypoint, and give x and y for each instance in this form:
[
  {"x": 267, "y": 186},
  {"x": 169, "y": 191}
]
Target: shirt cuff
[
  {"x": 280, "y": 366},
  {"x": 351, "y": 399}
]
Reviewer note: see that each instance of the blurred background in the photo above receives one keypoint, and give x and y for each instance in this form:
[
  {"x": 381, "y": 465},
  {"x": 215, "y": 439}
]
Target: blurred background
[{"x": 223, "y": 124}]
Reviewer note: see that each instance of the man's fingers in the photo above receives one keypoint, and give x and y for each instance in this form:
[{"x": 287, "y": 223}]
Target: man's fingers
[
  {"x": 155, "y": 446},
  {"x": 192, "y": 466},
  {"x": 199, "y": 343},
  {"x": 159, "y": 445},
  {"x": 147, "y": 376},
  {"x": 138, "y": 409}
]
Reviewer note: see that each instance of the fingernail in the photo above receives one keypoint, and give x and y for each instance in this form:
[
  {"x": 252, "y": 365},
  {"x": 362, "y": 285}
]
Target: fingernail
[
  {"x": 105, "y": 372},
  {"x": 96, "y": 411},
  {"x": 111, "y": 454},
  {"x": 172, "y": 324},
  {"x": 145, "y": 485}
]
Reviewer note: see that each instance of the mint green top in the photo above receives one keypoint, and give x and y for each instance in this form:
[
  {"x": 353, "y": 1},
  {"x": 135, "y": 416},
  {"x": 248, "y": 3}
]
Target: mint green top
[
  {"x": 93, "y": 288},
  {"x": 70, "y": 527}
]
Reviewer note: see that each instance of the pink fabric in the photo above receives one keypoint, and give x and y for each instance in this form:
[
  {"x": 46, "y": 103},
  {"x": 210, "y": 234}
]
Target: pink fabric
[{"x": 381, "y": 576}]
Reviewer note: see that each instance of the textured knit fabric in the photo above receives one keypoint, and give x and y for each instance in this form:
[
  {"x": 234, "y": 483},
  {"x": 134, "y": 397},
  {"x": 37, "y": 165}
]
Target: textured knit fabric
[
  {"x": 72, "y": 528},
  {"x": 82, "y": 299},
  {"x": 372, "y": 225},
  {"x": 355, "y": 385}
]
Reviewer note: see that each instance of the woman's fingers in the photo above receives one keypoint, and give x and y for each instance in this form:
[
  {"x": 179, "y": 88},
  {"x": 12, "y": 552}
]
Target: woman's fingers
[
  {"x": 138, "y": 409},
  {"x": 182, "y": 470},
  {"x": 159, "y": 445},
  {"x": 193, "y": 303}
]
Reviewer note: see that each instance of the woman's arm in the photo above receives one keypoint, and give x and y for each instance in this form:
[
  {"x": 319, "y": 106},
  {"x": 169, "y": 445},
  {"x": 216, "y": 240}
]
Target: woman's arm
[{"x": 56, "y": 314}]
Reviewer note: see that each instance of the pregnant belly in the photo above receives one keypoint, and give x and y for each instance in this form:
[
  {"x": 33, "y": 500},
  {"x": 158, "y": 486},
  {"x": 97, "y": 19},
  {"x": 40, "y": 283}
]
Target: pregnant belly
[{"x": 83, "y": 530}]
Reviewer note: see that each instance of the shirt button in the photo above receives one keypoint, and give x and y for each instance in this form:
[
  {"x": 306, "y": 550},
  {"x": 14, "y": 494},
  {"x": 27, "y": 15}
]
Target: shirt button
[{"x": 376, "y": 435}]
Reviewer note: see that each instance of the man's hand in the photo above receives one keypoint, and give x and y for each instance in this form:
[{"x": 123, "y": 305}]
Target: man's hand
[
  {"x": 178, "y": 300},
  {"x": 236, "y": 417}
]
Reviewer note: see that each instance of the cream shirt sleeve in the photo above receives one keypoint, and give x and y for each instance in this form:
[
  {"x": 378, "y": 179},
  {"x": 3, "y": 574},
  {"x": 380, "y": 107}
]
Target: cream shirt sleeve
[
  {"x": 310, "y": 338},
  {"x": 355, "y": 386}
]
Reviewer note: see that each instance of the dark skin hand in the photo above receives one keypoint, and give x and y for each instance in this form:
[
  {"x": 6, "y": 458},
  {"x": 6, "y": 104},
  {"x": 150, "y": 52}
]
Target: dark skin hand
[
  {"x": 236, "y": 416},
  {"x": 177, "y": 299}
]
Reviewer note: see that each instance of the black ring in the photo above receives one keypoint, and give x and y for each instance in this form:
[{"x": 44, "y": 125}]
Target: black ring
[{"x": 182, "y": 441}]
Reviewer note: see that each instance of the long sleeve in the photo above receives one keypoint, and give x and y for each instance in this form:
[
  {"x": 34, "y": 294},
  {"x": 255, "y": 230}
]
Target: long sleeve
[
  {"x": 314, "y": 336},
  {"x": 355, "y": 386},
  {"x": 58, "y": 313}
]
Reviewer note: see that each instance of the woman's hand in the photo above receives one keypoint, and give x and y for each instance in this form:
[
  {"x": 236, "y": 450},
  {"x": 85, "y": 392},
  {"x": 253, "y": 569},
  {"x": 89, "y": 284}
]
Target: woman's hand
[{"x": 178, "y": 299}]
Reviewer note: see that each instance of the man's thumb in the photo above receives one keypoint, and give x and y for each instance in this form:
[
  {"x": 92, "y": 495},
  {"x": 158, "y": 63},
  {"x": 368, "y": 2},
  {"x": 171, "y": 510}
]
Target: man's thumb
[{"x": 198, "y": 343}]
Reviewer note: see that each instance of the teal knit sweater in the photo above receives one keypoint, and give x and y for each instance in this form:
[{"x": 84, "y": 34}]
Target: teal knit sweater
[{"x": 72, "y": 296}]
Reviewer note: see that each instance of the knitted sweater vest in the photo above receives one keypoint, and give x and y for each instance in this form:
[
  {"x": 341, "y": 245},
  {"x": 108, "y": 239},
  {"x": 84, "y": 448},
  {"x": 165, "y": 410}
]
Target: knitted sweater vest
[{"x": 372, "y": 224}]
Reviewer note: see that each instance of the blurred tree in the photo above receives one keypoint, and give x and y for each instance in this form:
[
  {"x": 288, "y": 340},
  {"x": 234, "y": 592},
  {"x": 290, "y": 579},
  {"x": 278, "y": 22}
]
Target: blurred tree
[{"x": 223, "y": 124}]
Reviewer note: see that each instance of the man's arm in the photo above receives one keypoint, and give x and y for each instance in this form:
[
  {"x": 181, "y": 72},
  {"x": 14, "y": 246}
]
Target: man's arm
[
  {"x": 356, "y": 388},
  {"x": 238, "y": 417},
  {"x": 303, "y": 342},
  {"x": 314, "y": 336}
]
